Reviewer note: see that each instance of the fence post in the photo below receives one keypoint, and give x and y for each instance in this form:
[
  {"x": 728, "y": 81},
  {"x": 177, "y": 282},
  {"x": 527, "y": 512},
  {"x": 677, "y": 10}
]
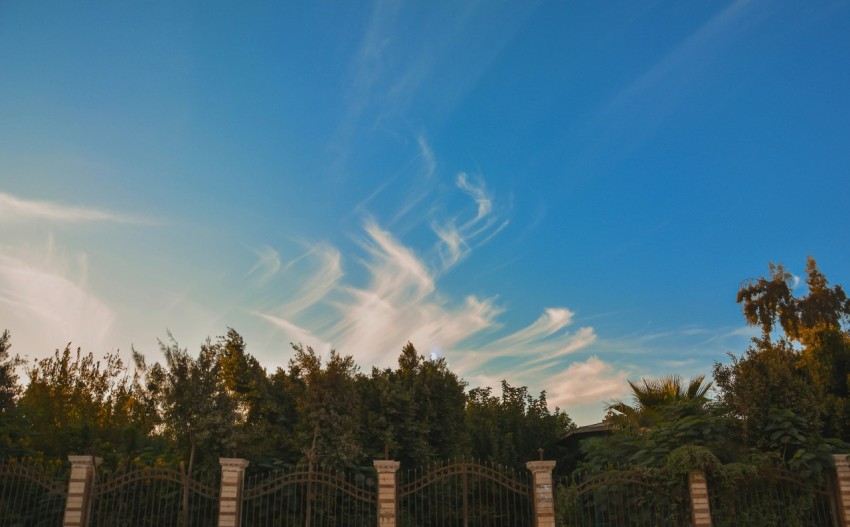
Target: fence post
[
  {"x": 698, "y": 489},
  {"x": 842, "y": 488},
  {"x": 80, "y": 490},
  {"x": 542, "y": 493},
  {"x": 230, "y": 497},
  {"x": 386, "y": 491}
]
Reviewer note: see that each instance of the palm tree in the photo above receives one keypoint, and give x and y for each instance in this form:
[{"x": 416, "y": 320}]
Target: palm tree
[{"x": 650, "y": 396}]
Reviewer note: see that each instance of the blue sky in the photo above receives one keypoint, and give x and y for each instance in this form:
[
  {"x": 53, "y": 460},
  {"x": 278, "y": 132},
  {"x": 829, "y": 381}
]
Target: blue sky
[{"x": 563, "y": 194}]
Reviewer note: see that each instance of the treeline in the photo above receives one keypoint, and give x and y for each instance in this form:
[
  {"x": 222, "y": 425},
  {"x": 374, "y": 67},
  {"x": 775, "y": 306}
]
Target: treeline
[
  {"x": 784, "y": 402},
  {"x": 221, "y": 402}
]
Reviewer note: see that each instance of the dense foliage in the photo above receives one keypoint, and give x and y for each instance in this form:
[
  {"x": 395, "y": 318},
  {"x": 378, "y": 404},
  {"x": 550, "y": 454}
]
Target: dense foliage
[{"x": 221, "y": 402}]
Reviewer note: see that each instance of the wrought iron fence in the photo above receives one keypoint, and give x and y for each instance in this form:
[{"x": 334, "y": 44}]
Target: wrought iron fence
[
  {"x": 310, "y": 496},
  {"x": 622, "y": 498},
  {"x": 155, "y": 497},
  {"x": 465, "y": 493},
  {"x": 32, "y": 494},
  {"x": 774, "y": 498}
]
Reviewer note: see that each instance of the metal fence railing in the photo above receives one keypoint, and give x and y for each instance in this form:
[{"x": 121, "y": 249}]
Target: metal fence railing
[
  {"x": 310, "y": 496},
  {"x": 464, "y": 493},
  {"x": 155, "y": 497},
  {"x": 33, "y": 493},
  {"x": 774, "y": 498},
  {"x": 642, "y": 497}
]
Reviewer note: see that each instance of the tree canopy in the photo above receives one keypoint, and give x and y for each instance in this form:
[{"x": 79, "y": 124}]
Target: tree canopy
[{"x": 196, "y": 407}]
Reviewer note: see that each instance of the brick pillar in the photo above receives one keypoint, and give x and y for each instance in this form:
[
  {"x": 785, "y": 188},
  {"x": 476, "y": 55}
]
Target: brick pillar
[
  {"x": 230, "y": 497},
  {"x": 80, "y": 490},
  {"x": 698, "y": 488},
  {"x": 842, "y": 488},
  {"x": 386, "y": 492},
  {"x": 541, "y": 489}
]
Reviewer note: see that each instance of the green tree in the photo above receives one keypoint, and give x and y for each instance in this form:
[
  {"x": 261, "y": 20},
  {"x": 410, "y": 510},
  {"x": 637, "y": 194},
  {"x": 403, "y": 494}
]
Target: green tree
[
  {"x": 415, "y": 411},
  {"x": 191, "y": 402},
  {"x": 265, "y": 406},
  {"x": 665, "y": 416},
  {"x": 511, "y": 429},
  {"x": 438, "y": 402},
  {"x": 765, "y": 378},
  {"x": 804, "y": 340},
  {"x": 9, "y": 387},
  {"x": 650, "y": 396},
  {"x": 75, "y": 404},
  {"x": 9, "y": 392},
  {"x": 328, "y": 404}
]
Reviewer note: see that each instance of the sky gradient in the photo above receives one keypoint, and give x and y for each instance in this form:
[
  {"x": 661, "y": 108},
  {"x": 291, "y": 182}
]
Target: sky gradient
[{"x": 562, "y": 194}]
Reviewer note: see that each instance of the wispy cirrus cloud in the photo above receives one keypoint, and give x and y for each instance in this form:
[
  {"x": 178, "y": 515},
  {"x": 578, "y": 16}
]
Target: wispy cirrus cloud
[
  {"x": 533, "y": 349},
  {"x": 400, "y": 298},
  {"x": 389, "y": 72},
  {"x": 479, "y": 194},
  {"x": 306, "y": 278},
  {"x": 666, "y": 79},
  {"x": 325, "y": 274},
  {"x": 457, "y": 239},
  {"x": 420, "y": 191},
  {"x": 13, "y": 208},
  {"x": 267, "y": 266},
  {"x": 296, "y": 333},
  {"x": 401, "y": 303},
  {"x": 657, "y": 94},
  {"x": 428, "y": 158},
  {"x": 47, "y": 301},
  {"x": 552, "y": 321}
]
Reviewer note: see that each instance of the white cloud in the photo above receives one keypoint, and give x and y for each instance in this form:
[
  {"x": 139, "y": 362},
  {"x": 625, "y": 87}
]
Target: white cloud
[
  {"x": 571, "y": 343},
  {"x": 542, "y": 341},
  {"x": 267, "y": 266},
  {"x": 478, "y": 192},
  {"x": 400, "y": 304},
  {"x": 670, "y": 75},
  {"x": 395, "y": 269},
  {"x": 427, "y": 156},
  {"x": 456, "y": 242},
  {"x": 453, "y": 245},
  {"x": 590, "y": 381},
  {"x": 45, "y": 308},
  {"x": 552, "y": 320},
  {"x": 16, "y": 209},
  {"x": 325, "y": 272},
  {"x": 298, "y": 334}
]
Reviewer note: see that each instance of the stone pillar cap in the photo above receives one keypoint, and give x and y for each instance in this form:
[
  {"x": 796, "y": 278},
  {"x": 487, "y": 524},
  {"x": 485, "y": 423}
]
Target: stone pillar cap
[
  {"x": 386, "y": 465},
  {"x": 540, "y": 466},
  {"x": 233, "y": 462},
  {"x": 85, "y": 460}
]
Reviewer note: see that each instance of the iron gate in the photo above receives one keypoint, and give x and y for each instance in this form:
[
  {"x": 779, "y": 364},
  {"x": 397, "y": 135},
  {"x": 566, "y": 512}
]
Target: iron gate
[
  {"x": 310, "y": 497},
  {"x": 155, "y": 497},
  {"x": 776, "y": 498},
  {"x": 467, "y": 494},
  {"x": 623, "y": 498},
  {"x": 32, "y": 495}
]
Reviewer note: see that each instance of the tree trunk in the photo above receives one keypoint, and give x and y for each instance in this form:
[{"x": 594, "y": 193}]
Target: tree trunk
[{"x": 185, "y": 476}]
